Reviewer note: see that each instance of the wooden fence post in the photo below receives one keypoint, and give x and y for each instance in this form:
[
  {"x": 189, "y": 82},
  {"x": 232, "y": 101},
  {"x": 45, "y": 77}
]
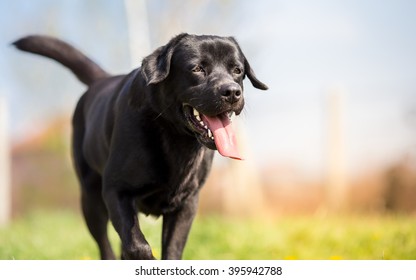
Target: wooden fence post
[
  {"x": 5, "y": 190},
  {"x": 138, "y": 29},
  {"x": 337, "y": 186}
]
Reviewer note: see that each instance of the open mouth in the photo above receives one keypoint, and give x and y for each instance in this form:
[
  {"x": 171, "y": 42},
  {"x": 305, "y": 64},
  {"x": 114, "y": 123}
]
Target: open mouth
[{"x": 215, "y": 132}]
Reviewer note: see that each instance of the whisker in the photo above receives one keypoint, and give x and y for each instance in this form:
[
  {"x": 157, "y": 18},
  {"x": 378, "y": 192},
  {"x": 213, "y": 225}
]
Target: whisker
[{"x": 161, "y": 113}]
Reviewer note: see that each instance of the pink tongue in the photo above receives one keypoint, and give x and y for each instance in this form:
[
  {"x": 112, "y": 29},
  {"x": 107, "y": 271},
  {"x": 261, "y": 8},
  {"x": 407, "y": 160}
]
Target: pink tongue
[{"x": 224, "y": 135}]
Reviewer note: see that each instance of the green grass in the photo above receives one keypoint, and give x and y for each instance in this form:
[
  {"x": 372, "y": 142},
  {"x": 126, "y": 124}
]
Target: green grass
[{"x": 62, "y": 235}]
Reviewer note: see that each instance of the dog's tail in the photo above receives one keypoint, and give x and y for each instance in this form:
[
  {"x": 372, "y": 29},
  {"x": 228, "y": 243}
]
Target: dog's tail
[{"x": 86, "y": 70}]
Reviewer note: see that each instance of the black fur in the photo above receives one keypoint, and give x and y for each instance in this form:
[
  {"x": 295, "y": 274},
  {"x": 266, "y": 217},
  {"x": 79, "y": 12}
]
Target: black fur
[{"x": 135, "y": 148}]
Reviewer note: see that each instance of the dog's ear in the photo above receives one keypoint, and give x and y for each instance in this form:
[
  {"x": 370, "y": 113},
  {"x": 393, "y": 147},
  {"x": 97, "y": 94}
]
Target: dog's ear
[
  {"x": 155, "y": 67},
  {"x": 253, "y": 79},
  {"x": 248, "y": 71}
]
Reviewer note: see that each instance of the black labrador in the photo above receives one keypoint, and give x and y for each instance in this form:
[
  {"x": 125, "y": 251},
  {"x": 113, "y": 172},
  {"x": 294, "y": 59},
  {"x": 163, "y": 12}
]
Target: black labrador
[{"x": 144, "y": 142}]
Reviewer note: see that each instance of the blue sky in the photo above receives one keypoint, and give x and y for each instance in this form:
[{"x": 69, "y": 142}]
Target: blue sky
[{"x": 302, "y": 50}]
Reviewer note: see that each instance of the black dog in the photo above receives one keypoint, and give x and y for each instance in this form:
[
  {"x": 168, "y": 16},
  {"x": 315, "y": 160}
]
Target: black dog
[{"x": 144, "y": 142}]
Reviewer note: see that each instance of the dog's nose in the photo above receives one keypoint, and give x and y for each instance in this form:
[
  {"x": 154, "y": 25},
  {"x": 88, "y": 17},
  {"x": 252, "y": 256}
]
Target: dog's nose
[{"x": 231, "y": 92}]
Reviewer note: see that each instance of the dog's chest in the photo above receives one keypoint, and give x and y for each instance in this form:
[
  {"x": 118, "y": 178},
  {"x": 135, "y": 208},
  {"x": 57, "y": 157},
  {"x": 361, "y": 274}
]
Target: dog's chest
[{"x": 184, "y": 173}]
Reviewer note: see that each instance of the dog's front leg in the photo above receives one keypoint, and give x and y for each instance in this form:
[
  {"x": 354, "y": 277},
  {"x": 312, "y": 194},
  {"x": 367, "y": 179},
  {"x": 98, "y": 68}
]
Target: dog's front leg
[
  {"x": 176, "y": 226},
  {"x": 126, "y": 223}
]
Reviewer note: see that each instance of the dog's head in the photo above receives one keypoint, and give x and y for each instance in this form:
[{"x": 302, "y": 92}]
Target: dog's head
[{"x": 197, "y": 82}]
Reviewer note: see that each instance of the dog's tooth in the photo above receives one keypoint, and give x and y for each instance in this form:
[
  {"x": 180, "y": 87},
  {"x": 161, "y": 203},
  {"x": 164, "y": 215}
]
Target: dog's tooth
[
  {"x": 197, "y": 115},
  {"x": 210, "y": 134}
]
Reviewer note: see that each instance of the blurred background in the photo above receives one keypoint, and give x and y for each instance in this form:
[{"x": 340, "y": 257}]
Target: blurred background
[{"x": 335, "y": 132}]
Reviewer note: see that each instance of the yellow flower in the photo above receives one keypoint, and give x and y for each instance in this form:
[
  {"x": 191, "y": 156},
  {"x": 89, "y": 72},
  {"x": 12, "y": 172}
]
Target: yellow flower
[{"x": 155, "y": 253}]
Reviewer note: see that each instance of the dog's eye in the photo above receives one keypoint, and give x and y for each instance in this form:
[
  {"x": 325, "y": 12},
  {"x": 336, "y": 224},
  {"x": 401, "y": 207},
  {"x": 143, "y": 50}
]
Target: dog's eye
[
  {"x": 237, "y": 71},
  {"x": 198, "y": 69}
]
